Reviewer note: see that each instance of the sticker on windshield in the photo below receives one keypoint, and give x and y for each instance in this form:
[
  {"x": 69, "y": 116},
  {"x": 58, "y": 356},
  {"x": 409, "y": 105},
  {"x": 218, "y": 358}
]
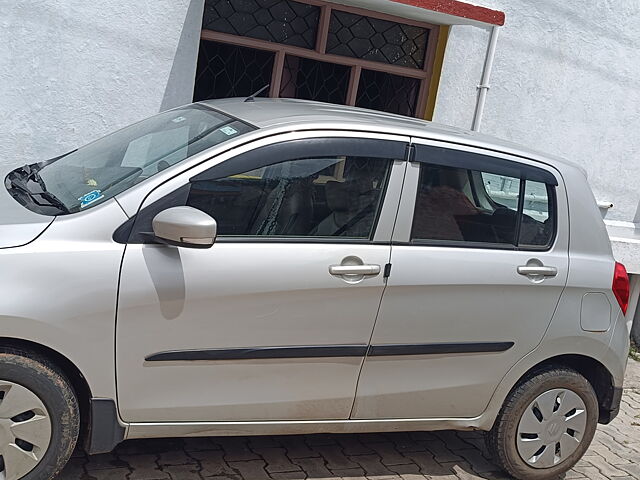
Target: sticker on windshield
[
  {"x": 178, "y": 119},
  {"x": 91, "y": 197},
  {"x": 228, "y": 130}
]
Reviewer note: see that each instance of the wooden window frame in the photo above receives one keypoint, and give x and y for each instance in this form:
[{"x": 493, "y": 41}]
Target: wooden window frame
[{"x": 424, "y": 75}]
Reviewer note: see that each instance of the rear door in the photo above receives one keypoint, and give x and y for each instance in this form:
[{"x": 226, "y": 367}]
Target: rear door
[{"x": 479, "y": 261}]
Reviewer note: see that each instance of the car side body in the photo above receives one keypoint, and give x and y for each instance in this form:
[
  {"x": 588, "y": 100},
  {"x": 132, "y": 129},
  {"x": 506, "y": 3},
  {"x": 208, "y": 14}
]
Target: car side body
[{"x": 112, "y": 311}]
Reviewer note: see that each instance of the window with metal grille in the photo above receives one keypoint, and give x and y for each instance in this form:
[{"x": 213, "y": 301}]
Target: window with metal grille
[
  {"x": 230, "y": 71},
  {"x": 388, "y": 92},
  {"x": 313, "y": 80},
  {"x": 316, "y": 50},
  {"x": 378, "y": 40},
  {"x": 279, "y": 21}
]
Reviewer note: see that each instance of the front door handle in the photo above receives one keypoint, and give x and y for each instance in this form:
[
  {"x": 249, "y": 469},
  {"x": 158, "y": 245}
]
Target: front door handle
[
  {"x": 340, "y": 270},
  {"x": 535, "y": 270}
]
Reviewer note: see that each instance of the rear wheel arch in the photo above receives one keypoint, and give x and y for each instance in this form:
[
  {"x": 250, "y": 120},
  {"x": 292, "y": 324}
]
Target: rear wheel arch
[
  {"x": 66, "y": 366},
  {"x": 592, "y": 370}
]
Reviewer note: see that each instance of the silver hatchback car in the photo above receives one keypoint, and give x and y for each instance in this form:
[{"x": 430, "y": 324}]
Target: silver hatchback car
[{"x": 284, "y": 267}]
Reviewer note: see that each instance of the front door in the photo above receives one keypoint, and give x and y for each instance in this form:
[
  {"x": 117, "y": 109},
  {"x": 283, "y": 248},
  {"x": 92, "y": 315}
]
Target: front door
[
  {"x": 479, "y": 261},
  {"x": 273, "y": 321}
]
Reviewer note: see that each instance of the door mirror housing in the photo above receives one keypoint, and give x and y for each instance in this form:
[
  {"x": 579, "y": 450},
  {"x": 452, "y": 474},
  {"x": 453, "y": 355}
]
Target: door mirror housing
[{"x": 185, "y": 227}]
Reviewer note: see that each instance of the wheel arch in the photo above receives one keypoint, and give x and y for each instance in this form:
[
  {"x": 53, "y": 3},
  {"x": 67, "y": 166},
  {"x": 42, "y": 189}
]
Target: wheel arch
[
  {"x": 70, "y": 370},
  {"x": 591, "y": 369}
]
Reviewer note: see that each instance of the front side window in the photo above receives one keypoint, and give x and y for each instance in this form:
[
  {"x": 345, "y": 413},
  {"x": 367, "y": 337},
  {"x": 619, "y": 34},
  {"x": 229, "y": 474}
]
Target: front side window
[
  {"x": 100, "y": 170},
  {"x": 469, "y": 206},
  {"x": 336, "y": 196}
]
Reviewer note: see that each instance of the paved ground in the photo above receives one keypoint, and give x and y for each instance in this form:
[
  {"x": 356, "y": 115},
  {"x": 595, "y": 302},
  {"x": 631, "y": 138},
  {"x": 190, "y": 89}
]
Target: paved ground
[{"x": 447, "y": 455}]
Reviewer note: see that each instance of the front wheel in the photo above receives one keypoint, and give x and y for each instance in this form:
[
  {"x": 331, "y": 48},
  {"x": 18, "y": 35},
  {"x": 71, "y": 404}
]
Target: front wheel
[
  {"x": 545, "y": 426},
  {"x": 39, "y": 417}
]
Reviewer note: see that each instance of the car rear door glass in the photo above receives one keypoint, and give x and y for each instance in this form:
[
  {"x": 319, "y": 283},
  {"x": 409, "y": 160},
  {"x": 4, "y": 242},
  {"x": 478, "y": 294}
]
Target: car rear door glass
[{"x": 470, "y": 206}]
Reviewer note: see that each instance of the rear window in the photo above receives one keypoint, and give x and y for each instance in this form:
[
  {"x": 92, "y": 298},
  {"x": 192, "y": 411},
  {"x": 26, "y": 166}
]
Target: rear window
[{"x": 473, "y": 207}]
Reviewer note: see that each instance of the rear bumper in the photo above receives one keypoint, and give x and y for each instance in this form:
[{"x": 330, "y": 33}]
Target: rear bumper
[{"x": 611, "y": 407}]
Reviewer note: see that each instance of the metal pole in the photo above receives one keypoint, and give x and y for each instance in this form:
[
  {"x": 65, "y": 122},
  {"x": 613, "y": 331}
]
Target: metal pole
[{"x": 484, "y": 86}]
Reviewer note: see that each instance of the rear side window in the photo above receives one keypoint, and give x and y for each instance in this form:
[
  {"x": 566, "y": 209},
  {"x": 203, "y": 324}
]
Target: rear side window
[{"x": 471, "y": 206}]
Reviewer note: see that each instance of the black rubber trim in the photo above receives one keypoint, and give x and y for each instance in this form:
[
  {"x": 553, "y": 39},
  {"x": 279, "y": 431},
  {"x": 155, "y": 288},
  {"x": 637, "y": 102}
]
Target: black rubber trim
[
  {"x": 611, "y": 406},
  {"x": 438, "y": 348},
  {"x": 326, "y": 351},
  {"x": 105, "y": 431},
  {"x": 301, "y": 149},
  {"x": 485, "y": 163},
  {"x": 316, "y": 351}
]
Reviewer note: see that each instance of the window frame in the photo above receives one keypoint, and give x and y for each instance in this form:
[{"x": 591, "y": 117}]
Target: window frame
[
  {"x": 357, "y": 65},
  {"x": 131, "y": 232},
  {"x": 485, "y": 159}
]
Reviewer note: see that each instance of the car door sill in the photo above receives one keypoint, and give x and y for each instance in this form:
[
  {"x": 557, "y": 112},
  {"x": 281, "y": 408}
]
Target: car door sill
[{"x": 296, "y": 427}]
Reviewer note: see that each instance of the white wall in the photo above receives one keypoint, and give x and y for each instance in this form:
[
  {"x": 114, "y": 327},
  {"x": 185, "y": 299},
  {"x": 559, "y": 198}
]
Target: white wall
[
  {"x": 566, "y": 81},
  {"x": 73, "y": 70}
]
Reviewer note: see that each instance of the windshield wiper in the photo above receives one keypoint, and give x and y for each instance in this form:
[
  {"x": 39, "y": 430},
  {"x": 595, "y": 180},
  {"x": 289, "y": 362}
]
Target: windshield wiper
[{"x": 20, "y": 178}]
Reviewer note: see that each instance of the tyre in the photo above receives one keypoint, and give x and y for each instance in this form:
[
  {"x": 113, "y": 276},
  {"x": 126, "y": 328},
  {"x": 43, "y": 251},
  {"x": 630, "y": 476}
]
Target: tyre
[
  {"x": 39, "y": 417},
  {"x": 545, "y": 425}
]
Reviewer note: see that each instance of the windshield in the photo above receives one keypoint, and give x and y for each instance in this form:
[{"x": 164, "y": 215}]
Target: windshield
[{"x": 96, "y": 172}]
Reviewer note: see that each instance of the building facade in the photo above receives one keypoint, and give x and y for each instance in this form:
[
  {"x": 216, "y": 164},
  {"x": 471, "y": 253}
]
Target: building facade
[{"x": 564, "y": 77}]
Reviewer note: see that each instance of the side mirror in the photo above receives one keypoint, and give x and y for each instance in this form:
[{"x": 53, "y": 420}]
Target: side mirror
[{"x": 185, "y": 227}]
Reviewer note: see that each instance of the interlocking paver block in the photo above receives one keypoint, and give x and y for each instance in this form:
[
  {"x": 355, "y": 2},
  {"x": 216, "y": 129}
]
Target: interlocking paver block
[
  {"x": 605, "y": 468},
  {"x": 351, "y": 445},
  {"x": 104, "y": 461},
  {"x": 296, "y": 447},
  {"x": 428, "y": 465},
  {"x": 175, "y": 457},
  {"x": 314, "y": 467},
  {"x": 144, "y": 467},
  {"x": 182, "y": 472},
  {"x": 452, "y": 441},
  {"x": 75, "y": 469},
  {"x": 335, "y": 457},
  {"x": 441, "y": 452},
  {"x": 110, "y": 474},
  {"x": 388, "y": 454},
  {"x": 350, "y": 473},
  {"x": 299, "y": 475},
  {"x": 250, "y": 469},
  {"x": 200, "y": 444},
  {"x": 212, "y": 463},
  {"x": 277, "y": 460},
  {"x": 237, "y": 450},
  {"x": 372, "y": 465}
]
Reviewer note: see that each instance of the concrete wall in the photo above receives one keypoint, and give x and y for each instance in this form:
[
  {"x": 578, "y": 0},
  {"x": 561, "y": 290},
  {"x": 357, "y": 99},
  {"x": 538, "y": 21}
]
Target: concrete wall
[
  {"x": 73, "y": 70},
  {"x": 566, "y": 81}
]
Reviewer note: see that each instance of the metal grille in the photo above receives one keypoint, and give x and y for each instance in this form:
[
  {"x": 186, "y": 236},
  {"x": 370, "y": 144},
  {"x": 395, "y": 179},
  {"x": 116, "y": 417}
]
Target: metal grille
[
  {"x": 230, "y": 71},
  {"x": 314, "y": 80},
  {"x": 279, "y": 21},
  {"x": 389, "y": 93},
  {"x": 352, "y": 35}
]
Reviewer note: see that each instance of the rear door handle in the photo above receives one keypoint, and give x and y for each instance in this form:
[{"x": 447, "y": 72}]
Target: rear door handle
[
  {"x": 340, "y": 270},
  {"x": 528, "y": 270}
]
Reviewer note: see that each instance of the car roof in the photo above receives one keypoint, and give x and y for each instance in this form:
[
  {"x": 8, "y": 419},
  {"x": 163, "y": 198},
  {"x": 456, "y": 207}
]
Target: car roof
[{"x": 288, "y": 112}]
